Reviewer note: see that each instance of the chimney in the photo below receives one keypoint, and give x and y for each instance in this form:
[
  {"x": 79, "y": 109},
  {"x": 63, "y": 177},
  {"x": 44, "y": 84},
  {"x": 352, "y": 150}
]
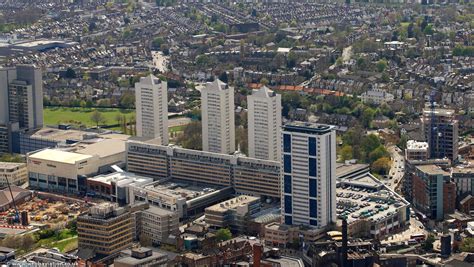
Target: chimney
[
  {"x": 344, "y": 243},
  {"x": 257, "y": 254}
]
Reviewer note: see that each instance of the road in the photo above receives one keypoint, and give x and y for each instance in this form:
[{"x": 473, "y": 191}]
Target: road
[
  {"x": 397, "y": 170},
  {"x": 346, "y": 56}
]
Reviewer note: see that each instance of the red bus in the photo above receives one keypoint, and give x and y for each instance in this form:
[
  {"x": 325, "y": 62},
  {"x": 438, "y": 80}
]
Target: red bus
[{"x": 418, "y": 237}]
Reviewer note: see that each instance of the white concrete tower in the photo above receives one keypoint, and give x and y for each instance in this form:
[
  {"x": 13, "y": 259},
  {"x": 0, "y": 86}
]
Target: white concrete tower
[
  {"x": 308, "y": 174},
  {"x": 264, "y": 124},
  {"x": 151, "y": 98},
  {"x": 217, "y": 107}
]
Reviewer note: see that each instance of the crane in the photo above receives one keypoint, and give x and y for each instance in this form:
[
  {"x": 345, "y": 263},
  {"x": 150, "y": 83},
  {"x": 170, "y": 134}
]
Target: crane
[{"x": 17, "y": 214}]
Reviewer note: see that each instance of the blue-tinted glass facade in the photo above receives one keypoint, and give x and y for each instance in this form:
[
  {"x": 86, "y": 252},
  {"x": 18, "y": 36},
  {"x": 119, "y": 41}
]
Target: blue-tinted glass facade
[
  {"x": 313, "y": 210},
  {"x": 312, "y": 146},
  {"x": 312, "y": 168},
  {"x": 287, "y": 163},
  {"x": 287, "y": 184},
  {"x": 313, "y": 222},
  {"x": 288, "y": 205},
  {"x": 288, "y": 220},
  {"x": 287, "y": 143},
  {"x": 313, "y": 187}
]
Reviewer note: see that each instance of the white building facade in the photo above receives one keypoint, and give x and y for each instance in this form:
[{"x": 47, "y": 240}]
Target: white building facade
[
  {"x": 376, "y": 96},
  {"x": 217, "y": 107},
  {"x": 264, "y": 123},
  {"x": 151, "y": 98},
  {"x": 309, "y": 174}
]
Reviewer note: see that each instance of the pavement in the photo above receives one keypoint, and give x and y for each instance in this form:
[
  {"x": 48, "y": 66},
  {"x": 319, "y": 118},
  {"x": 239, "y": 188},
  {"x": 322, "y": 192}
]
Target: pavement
[
  {"x": 416, "y": 227},
  {"x": 178, "y": 121}
]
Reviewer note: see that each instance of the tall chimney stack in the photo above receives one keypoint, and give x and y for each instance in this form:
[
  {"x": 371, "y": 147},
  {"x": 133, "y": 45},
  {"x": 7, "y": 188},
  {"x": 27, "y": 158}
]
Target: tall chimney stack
[
  {"x": 344, "y": 243},
  {"x": 257, "y": 254}
]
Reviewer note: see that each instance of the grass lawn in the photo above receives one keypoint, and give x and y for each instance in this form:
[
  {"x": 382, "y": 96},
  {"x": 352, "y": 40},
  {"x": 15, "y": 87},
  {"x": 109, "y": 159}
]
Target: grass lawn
[
  {"x": 78, "y": 116},
  {"x": 404, "y": 24},
  {"x": 66, "y": 245},
  {"x": 178, "y": 128},
  {"x": 65, "y": 240}
]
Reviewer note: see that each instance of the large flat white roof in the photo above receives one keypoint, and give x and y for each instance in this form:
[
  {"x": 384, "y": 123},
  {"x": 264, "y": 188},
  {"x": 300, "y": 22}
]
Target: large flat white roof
[
  {"x": 59, "y": 156},
  {"x": 103, "y": 148}
]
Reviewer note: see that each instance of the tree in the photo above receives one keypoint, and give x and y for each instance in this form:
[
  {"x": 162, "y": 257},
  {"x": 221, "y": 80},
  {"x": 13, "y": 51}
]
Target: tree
[
  {"x": 291, "y": 60},
  {"x": 133, "y": 125},
  {"x": 97, "y": 117},
  {"x": 354, "y": 136},
  {"x": 145, "y": 240},
  {"x": 410, "y": 30},
  {"x": 70, "y": 73},
  {"x": 428, "y": 244},
  {"x": 104, "y": 103},
  {"x": 378, "y": 153},
  {"x": 293, "y": 100},
  {"x": 202, "y": 60},
  {"x": 92, "y": 26},
  {"x": 402, "y": 144},
  {"x": 72, "y": 225},
  {"x": 127, "y": 100},
  {"x": 381, "y": 65},
  {"x": 428, "y": 30},
  {"x": 370, "y": 143},
  {"x": 223, "y": 234},
  {"x": 467, "y": 245},
  {"x": 367, "y": 116},
  {"x": 381, "y": 166},
  {"x": 346, "y": 153},
  {"x": 165, "y": 49},
  {"x": 24, "y": 242},
  {"x": 241, "y": 139},
  {"x": 157, "y": 42},
  {"x": 82, "y": 104},
  {"x": 127, "y": 33},
  {"x": 118, "y": 118},
  {"x": 89, "y": 104},
  {"x": 223, "y": 77},
  {"x": 191, "y": 137},
  {"x": 11, "y": 158}
]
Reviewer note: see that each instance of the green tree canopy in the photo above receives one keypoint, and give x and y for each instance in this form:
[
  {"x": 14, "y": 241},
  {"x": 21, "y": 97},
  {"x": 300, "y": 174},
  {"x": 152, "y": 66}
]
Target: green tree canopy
[{"x": 223, "y": 234}]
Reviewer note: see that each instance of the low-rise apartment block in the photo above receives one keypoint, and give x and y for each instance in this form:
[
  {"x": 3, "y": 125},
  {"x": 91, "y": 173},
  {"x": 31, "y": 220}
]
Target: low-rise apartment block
[
  {"x": 137, "y": 257},
  {"x": 416, "y": 150},
  {"x": 463, "y": 177},
  {"x": 157, "y": 224},
  {"x": 232, "y": 213},
  {"x": 105, "y": 229},
  {"x": 15, "y": 173},
  {"x": 434, "y": 194}
]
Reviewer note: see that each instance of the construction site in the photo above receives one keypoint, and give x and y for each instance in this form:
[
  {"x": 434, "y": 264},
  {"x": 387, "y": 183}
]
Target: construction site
[{"x": 34, "y": 211}]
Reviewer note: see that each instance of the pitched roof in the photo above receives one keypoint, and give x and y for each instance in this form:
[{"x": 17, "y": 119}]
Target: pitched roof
[
  {"x": 217, "y": 84},
  {"x": 263, "y": 92},
  {"x": 18, "y": 193}
]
